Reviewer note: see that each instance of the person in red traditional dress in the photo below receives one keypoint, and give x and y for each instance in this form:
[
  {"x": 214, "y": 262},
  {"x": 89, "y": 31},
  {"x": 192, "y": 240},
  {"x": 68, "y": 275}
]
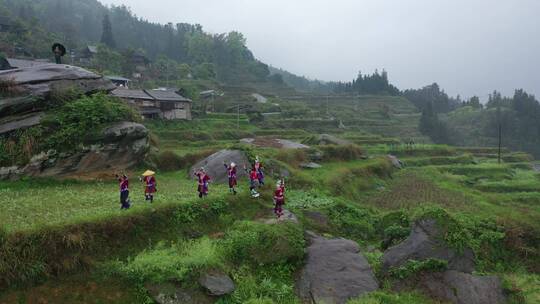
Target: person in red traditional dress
[
  {"x": 150, "y": 185},
  {"x": 124, "y": 191},
  {"x": 231, "y": 174},
  {"x": 203, "y": 180},
  {"x": 279, "y": 199},
  {"x": 253, "y": 180}
]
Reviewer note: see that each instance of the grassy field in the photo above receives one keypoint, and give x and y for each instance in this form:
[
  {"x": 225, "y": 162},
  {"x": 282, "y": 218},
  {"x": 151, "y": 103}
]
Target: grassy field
[
  {"x": 36, "y": 203},
  {"x": 180, "y": 236}
]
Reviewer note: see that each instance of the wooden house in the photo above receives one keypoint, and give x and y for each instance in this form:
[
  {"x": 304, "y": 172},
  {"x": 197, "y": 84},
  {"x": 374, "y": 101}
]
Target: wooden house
[{"x": 152, "y": 104}]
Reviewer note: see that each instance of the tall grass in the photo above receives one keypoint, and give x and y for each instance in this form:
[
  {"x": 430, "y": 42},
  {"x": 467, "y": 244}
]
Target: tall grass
[{"x": 174, "y": 262}]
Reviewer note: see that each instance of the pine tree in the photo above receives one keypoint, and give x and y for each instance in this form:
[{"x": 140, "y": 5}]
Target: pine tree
[{"x": 107, "y": 35}]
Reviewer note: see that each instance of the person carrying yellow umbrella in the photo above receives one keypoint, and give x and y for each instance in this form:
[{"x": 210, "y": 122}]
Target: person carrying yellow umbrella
[{"x": 150, "y": 185}]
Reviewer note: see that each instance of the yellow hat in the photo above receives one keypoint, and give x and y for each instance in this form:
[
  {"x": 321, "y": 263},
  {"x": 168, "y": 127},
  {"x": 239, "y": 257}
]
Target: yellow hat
[{"x": 148, "y": 173}]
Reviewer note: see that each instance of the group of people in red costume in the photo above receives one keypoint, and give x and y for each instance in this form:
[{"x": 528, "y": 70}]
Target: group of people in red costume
[{"x": 256, "y": 179}]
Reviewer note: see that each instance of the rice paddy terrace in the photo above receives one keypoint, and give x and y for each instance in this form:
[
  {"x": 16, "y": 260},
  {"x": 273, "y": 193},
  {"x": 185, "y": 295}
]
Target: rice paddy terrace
[{"x": 62, "y": 241}]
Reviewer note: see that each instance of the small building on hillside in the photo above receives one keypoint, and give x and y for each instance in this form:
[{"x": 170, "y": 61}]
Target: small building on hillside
[
  {"x": 119, "y": 81},
  {"x": 152, "y": 104},
  {"x": 87, "y": 54},
  {"x": 140, "y": 61},
  {"x": 171, "y": 104}
]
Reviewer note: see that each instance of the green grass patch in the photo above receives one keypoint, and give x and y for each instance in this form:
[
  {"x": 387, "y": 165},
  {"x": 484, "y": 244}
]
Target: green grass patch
[{"x": 387, "y": 297}]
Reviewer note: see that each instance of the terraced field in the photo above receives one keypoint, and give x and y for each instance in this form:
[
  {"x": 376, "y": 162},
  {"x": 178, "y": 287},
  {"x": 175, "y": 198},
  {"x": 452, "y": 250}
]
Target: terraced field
[{"x": 71, "y": 235}]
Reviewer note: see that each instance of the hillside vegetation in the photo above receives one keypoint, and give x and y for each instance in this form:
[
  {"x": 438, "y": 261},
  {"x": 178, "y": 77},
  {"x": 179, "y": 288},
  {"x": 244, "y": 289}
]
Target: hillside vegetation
[{"x": 79, "y": 226}]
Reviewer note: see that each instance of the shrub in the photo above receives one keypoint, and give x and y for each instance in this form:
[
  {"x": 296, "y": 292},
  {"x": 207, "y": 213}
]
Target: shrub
[
  {"x": 341, "y": 153},
  {"x": 168, "y": 161},
  {"x": 174, "y": 262},
  {"x": 308, "y": 199},
  {"x": 83, "y": 118},
  {"x": 20, "y": 146},
  {"x": 352, "y": 222},
  {"x": 263, "y": 244},
  {"x": 292, "y": 157},
  {"x": 413, "y": 267}
]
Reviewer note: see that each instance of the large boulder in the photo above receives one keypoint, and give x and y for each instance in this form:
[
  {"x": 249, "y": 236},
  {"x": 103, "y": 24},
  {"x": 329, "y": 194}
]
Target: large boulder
[
  {"x": 213, "y": 165},
  {"x": 41, "y": 80},
  {"x": 13, "y": 123},
  {"x": 461, "y": 288},
  {"x": 427, "y": 241},
  {"x": 395, "y": 161},
  {"x": 126, "y": 147},
  {"x": 335, "y": 271},
  {"x": 125, "y": 131},
  {"x": 217, "y": 283}
]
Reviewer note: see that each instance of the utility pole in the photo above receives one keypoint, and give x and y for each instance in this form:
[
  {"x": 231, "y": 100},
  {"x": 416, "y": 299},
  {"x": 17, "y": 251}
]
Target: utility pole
[{"x": 500, "y": 131}]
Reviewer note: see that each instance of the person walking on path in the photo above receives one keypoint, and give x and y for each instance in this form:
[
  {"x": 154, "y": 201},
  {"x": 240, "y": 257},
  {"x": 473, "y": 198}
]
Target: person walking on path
[
  {"x": 279, "y": 199},
  {"x": 203, "y": 180},
  {"x": 260, "y": 173},
  {"x": 124, "y": 191},
  {"x": 231, "y": 174},
  {"x": 253, "y": 181},
  {"x": 150, "y": 185}
]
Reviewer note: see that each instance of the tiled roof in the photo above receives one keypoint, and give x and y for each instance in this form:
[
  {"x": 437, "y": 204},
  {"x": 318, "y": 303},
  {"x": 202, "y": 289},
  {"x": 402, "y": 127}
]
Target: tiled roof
[
  {"x": 166, "y": 95},
  {"x": 135, "y": 94}
]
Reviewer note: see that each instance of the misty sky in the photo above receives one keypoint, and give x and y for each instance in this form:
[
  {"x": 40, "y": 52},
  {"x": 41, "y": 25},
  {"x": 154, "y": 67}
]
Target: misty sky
[{"x": 470, "y": 47}]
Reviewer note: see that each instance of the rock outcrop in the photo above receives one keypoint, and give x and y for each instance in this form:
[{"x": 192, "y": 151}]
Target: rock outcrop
[
  {"x": 424, "y": 242},
  {"x": 454, "y": 285},
  {"x": 395, "y": 161},
  {"x": 310, "y": 165},
  {"x": 335, "y": 272},
  {"x": 213, "y": 165},
  {"x": 28, "y": 94},
  {"x": 462, "y": 288},
  {"x": 217, "y": 283},
  {"x": 41, "y": 80},
  {"x": 125, "y": 145}
]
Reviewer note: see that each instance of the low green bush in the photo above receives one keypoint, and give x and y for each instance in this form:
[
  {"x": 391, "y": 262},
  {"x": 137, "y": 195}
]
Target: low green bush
[
  {"x": 82, "y": 119},
  {"x": 171, "y": 262},
  {"x": 413, "y": 267},
  {"x": 489, "y": 241},
  {"x": 272, "y": 284},
  {"x": 352, "y": 222},
  {"x": 263, "y": 244},
  {"x": 293, "y": 157},
  {"x": 341, "y": 153},
  {"x": 393, "y": 228},
  {"x": 168, "y": 161}
]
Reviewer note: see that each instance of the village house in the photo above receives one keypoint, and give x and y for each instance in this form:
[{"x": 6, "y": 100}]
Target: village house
[
  {"x": 87, "y": 54},
  {"x": 160, "y": 103}
]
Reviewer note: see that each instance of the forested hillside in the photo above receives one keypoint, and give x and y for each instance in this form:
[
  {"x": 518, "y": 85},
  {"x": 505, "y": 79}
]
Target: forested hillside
[{"x": 78, "y": 23}]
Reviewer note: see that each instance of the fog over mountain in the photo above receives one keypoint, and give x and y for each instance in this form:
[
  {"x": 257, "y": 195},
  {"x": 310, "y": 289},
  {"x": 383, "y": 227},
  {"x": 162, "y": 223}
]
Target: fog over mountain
[{"x": 470, "y": 47}]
